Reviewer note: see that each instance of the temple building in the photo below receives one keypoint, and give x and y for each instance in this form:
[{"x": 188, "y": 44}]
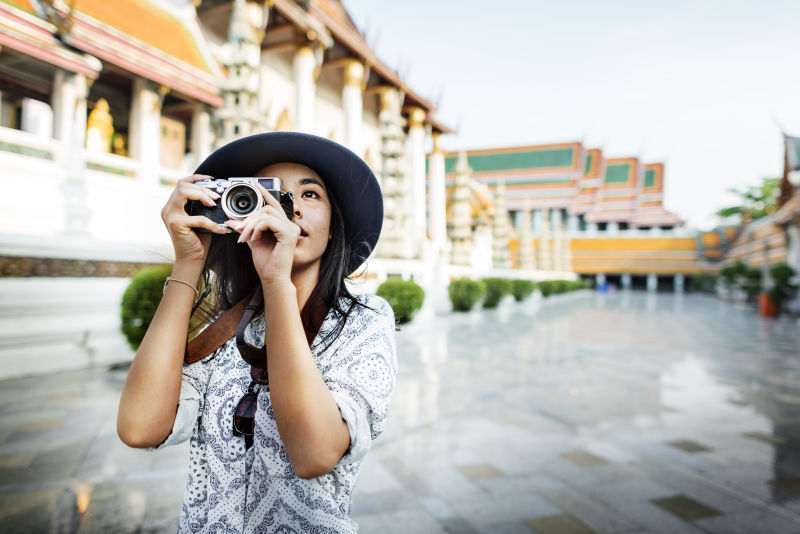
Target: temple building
[
  {"x": 105, "y": 105},
  {"x": 579, "y": 211}
]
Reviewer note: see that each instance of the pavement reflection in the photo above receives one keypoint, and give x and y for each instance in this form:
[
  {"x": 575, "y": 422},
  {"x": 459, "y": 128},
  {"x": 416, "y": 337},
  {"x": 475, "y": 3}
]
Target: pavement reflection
[{"x": 618, "y": 413}]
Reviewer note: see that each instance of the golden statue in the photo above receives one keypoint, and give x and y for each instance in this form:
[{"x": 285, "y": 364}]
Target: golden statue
[{"x": 99, "y": 128}]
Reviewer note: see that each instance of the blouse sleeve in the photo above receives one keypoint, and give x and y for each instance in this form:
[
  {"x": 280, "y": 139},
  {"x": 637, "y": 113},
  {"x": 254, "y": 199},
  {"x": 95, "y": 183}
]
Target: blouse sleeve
[
  {"x": 364, "y": 374},
  {"x": 194, "y": 381}
]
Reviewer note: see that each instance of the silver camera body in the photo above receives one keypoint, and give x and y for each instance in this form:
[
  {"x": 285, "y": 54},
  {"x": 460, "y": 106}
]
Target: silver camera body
[{"x": 239, "y": 197}]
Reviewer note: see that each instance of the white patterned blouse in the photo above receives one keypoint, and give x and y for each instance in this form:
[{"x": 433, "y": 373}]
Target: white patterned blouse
[{"x": 239, "y": 490}]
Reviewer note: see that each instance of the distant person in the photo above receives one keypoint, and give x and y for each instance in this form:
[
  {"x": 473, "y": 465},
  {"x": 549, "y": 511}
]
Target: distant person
[{"x": 281, "y": 415}]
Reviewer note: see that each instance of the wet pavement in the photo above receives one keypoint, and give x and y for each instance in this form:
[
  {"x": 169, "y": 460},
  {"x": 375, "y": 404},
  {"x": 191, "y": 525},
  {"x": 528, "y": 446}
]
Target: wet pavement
[{"x": 617, "y": 413}]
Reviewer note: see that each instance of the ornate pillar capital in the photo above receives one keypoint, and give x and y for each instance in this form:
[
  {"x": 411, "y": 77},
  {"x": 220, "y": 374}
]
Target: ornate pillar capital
[
  {"x": 354, "y": 73},
  {"x": 437, "y": 143},
  {"x": 416, "y": 117},
  {"x": 386, "y": 94}
]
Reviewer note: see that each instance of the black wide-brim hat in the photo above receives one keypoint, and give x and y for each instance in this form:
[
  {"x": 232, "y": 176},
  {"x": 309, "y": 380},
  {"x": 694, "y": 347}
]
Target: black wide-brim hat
[{"x": 350, "y": 181}]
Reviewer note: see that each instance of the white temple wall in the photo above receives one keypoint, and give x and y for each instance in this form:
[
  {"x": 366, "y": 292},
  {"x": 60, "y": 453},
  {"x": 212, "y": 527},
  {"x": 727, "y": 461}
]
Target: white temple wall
[
  {"x": 372, "y": 135},
  {"x": 330, "y": 116},
  {"x": 277, "y": 91}
]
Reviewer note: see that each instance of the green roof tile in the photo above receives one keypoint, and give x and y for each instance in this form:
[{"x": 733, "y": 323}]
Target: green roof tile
[
  {"x": 532, "y": 159},
  {"x": 649, "y": 177},
  {"x": 617, "y": 173}
]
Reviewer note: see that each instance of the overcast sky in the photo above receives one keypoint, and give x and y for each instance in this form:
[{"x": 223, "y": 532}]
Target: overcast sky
[{"x": 704, "y": 86}]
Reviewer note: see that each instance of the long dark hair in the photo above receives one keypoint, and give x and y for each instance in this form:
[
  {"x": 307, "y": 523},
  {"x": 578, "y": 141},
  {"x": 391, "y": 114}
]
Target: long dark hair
[{"x": 229, "y": 276}]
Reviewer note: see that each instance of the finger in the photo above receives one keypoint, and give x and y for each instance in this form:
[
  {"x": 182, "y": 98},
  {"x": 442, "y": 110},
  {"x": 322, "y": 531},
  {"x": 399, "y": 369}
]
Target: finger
[
  {"x": 195, "y": 178},
  {"x": 260, "y": 223},
  {"x": 197, "y": 221},
  {"x": 187, "y": 191},
  {"x": 283, "y": 229},
  {"x": 268, "y": 198},
  {"x": 235, "y": 224},
  {"x": 240, "y": 225},
  {"x": 263, "y": 230}
]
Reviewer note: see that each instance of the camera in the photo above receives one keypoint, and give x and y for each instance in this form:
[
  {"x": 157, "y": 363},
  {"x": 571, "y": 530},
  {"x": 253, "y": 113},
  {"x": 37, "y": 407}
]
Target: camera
[{"x": 239, "y": 198}]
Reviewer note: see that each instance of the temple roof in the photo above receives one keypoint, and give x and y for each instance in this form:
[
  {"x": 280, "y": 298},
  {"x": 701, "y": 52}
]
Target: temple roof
[
  {"x": 153, "y": 26},
  {"x": 789, "y": 213},
  {"x": 335, "y": 17},
  {"x": 160, "y": 43},
  {"x": 23, "y": 32},
  {"x": 555, "y": 158},
  {"x": 22, "y": 4}
]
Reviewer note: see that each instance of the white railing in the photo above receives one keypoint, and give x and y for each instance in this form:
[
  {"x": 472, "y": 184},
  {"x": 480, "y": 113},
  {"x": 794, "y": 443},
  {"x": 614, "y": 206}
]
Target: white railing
[
  {"x": 113, "y": 164},
  {"x": 22, "y": 143},
  {"x": 169, "y": 177}
]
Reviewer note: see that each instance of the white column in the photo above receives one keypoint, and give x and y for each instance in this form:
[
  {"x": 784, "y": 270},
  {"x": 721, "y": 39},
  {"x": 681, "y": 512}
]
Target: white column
[
  {"x": 145, "y": 130},
  {"x": 416, "y": 176},
  {"x": 37, "y": 118},
  {"x": 555, "y": 218},
  {"x": 572, "y": 224},
  {"x": 652, "y": 282},
  {"x": 438, "y": 197},
  {"x": 626, "y": 281},
  {"x": 599, "y": 279},
  {"x": 536, "y": 223},
  {"x": 69, "y": 126},
  {"x": 679, "y": 283},
  {"x": 527, "y": 255},
  {"x": 202, "y": 135},
  {"x": 612, "y": 228},
  {"x": 591, "y": 228},
  {"x": 305, "y": 63},
  {"x": 545, "y": 243},
  {"x": 63, "y": 99},
  {"x": 353, "y": 103}
]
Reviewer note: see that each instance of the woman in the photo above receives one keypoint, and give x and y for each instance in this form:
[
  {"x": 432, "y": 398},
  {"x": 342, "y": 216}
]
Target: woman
[{"x": 280, "y": 450}]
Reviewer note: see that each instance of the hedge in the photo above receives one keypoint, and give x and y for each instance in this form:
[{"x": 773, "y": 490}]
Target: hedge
[
  {"x": 496, "y": 289},
  {"x": 522, "y": 289},
  {"x": 140, "y": 301},
  {"x": 465, "y": 293},
  {"x": 554, "y": 287},
  {"x": 404, "y": 296}
]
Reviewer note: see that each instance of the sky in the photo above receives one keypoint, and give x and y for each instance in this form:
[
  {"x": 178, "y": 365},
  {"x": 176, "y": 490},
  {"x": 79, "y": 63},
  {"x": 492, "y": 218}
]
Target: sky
[{"x": 706, "y": 87}]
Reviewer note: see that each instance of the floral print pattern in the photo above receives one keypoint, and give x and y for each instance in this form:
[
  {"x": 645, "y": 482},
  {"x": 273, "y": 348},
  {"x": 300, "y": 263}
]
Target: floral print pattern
[{"x": 234, "y": 489}]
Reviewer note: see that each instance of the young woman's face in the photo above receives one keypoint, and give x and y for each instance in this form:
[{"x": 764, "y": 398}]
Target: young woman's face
[{"x": 312, "y": 209}]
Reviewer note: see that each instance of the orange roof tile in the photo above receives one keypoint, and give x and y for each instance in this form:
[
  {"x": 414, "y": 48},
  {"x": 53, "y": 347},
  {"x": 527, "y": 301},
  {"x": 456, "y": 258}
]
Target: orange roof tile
[
  {"x": 149, "y": 24},
  {"x": 22, "y": 4}
]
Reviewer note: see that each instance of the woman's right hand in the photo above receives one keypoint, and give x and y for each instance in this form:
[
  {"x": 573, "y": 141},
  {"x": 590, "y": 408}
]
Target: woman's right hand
[{"x": 190, "y": 246}]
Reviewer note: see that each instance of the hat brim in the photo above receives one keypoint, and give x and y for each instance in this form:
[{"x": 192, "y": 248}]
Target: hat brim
[{"x": 347, "y": 177}]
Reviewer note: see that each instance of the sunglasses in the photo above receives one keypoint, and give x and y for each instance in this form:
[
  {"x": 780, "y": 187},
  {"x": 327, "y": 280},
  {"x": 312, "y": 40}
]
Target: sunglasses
[{"x": 244, "y": 416}]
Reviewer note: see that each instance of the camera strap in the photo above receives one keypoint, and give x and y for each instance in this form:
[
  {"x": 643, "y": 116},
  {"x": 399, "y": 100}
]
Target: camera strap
[
  {"x": 255, "y": 356},
  {"x": 223, "y": 328}
]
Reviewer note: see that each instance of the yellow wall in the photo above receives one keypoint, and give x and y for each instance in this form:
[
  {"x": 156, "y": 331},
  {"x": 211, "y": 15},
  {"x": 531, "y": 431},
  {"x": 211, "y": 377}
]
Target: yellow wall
[{"x": 634, "y": 255}]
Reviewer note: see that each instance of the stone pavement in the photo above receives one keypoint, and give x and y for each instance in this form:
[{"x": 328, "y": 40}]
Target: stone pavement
[{"x": 618, "y": 413}]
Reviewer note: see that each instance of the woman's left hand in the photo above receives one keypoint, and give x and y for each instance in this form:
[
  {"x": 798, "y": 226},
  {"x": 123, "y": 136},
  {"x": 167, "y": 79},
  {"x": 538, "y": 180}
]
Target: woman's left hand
[{"x": 271, "y": 237}]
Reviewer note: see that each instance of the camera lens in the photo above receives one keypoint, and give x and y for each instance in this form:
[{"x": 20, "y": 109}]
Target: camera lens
[{"x": 242, "y": 200}]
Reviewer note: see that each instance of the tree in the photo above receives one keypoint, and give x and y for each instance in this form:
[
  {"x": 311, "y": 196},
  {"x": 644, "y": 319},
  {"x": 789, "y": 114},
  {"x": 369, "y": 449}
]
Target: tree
[{"x": 756, "y": 201}]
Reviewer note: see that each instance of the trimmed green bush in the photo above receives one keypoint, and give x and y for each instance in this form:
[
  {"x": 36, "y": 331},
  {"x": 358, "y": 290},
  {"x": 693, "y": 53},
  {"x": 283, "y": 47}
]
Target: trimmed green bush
[
  {"x": 140, "y": 301},
  {"x": 404, "y": 296},
  {"x": 783, "y": 289},
  {"x": 496, "y": 289},
  {"x": 465, "y": 293},
  {"x": 703, "y": 283},
  {"x": 522, "y": 289},
  {"x": 750, "y": 282},
  {"x": 554, "y": 287},
  {"x": 546, "y": 287}
]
